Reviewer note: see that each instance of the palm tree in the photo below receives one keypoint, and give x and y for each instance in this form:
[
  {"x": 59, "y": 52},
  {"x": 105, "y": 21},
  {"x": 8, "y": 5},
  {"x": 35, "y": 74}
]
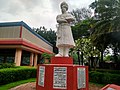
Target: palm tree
[{"x": 106, "y": 21}]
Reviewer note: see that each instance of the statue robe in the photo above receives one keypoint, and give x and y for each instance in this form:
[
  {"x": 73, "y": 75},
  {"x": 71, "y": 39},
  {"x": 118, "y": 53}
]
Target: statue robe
[{"x": 64, "y": 33}]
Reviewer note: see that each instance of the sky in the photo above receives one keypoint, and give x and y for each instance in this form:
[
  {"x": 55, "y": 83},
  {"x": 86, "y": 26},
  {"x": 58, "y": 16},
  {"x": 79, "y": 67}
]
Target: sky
[{"x": 36, "y": 13}]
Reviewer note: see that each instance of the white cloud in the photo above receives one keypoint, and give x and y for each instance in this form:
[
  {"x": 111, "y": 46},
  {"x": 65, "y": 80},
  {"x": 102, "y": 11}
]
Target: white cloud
[{"x": 36, "y": 13}]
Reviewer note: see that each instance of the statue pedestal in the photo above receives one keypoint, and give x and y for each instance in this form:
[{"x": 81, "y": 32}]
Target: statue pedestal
[{"x": 61, "y": 74}]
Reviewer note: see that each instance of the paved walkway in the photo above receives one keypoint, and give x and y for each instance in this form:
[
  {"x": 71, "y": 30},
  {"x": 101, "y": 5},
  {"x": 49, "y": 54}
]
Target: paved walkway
[
  {"x": 27, "y": 86},
  {"x": 32, "y": 86}
]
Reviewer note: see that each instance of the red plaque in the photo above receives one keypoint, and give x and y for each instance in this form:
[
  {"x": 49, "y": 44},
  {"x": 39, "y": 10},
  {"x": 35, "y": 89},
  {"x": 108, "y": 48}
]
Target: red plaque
[{"x": 65, "y": 76}]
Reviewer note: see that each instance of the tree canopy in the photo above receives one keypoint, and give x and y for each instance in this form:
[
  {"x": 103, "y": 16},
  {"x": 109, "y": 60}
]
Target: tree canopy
[
  {"x": 81, "y": 14},
  {"x": 107, "y": 16},
  {"x": 106, "y": 23}
]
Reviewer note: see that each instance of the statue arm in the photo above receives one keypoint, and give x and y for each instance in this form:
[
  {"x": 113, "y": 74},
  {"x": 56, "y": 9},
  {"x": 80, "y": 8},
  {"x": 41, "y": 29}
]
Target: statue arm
[
  {"x": 70, "y": 18},
  {"x": 61, "y": 19}
]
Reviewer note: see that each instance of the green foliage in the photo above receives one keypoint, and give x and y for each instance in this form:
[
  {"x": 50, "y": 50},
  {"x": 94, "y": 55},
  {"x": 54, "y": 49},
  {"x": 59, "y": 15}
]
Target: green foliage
[
  {"x": 7, "y": 65},
  {"x": 85, "y": 46},
  {"x": 85, "y": 49},
  {"x": 75, "y": 57},
  {"x": 46, "y": 56},
  {"x": 95, "y": 77},
  {"x": 108, "y": 58},
  {"x": 100, "y": 41},
  {"x": 106, "y": 25},
  {"x": 104, "y": 78},
  {"x": 108, "y": 71},
  {"x": 81, "y": 29},
  {"x": 107, "y": 17},
  {"x": 9, "y": 75},
  {"x": 14, "y": 84},
  {"x": 81, "y": 14},
  {"x": 106, "y": 9}
]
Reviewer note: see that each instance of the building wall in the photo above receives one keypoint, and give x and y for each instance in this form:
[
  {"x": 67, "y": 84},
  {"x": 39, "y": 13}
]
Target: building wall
[
  {"x": 26, "y": 34},
  {"x": 19, "y": 36},
  {"x": 10, "y": 32},
  {"x": 13, "y": 32}
]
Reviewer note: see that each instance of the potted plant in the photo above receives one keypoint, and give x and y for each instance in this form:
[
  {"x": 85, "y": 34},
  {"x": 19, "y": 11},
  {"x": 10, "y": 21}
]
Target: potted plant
[{"x": 46, "y": 57}]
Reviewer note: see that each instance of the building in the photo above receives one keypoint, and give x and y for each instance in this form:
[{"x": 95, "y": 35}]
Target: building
[{"x": 19, "y": 44}]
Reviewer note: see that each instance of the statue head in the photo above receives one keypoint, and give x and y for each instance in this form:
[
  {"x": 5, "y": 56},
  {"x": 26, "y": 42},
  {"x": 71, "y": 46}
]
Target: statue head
[{"x": 64, "y": 7}]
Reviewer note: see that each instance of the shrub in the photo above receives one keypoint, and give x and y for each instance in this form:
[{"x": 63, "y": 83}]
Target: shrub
[
  {"x": 109, "y": 71},
  {"x": 47, "y": 57},
  {"x": 7, "y": 65},
  {"x": 104, "y": 78},
  {"x": 9, "y": 75},
  {"x": 95, "y": 77}
]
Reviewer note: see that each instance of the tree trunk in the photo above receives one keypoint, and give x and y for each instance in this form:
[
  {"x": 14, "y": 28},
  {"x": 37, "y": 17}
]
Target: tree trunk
[
  {"x": 101, "y": 60},
  {"x": 115, "y": 55},
  {"x": 82, "y": 58}
]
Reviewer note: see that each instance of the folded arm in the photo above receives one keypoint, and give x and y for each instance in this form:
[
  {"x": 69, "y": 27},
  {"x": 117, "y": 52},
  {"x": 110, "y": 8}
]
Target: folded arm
[{"x": 61, "y": 19}]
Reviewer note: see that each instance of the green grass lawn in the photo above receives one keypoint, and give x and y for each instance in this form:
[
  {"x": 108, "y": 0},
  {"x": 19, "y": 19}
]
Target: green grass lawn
[{"x": 11, "y": 85}]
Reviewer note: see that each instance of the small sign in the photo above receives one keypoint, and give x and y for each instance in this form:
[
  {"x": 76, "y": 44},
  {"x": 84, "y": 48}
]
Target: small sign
[
  {"x": 60, "y": 78},
  {"x": 41, "y": 76},
  {"x": 81, "y": 78}
]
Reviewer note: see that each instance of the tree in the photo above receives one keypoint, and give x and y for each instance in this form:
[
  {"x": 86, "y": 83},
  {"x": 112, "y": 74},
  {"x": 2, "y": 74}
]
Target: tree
[
  {"x": 106, "y": 17},
  {"x": 87, "y": 49},
  {"x": 81, "y": 14},
  {"x": 81, "y": 29}
]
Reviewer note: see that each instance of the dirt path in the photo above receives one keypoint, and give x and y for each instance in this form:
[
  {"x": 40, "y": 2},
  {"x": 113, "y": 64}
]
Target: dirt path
[
  {"x": 94, "y": 87},
  {"x": 32, "y": 86},
  {"x": 27, "y": 86}
]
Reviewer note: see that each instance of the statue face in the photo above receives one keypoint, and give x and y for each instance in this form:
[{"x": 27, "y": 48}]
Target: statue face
[{"x": 63, "y": 9}]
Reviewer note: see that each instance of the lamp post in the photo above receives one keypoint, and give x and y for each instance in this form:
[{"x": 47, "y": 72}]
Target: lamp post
[{"x": 78, "y": 53}]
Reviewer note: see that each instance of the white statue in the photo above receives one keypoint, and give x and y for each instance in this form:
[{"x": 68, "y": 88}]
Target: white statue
[{"x": 64, "y": 34}]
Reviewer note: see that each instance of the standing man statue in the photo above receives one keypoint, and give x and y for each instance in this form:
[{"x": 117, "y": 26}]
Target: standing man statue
[{"x": 64, "y": 34}]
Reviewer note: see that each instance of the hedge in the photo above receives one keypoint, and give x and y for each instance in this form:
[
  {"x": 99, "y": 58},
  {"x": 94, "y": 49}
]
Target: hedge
[
  {"x": 104, "y": 78},
  {"x": 7, "y": 65},
  {"x": 109, "y": 71},
  {"x": 9, "y": 75}
]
